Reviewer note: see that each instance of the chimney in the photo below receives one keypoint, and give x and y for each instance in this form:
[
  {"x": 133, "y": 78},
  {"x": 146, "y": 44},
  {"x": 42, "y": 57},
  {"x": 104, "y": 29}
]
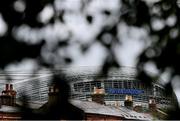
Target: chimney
[
  {"x": 52, "y": 95},
  {"x": 128, "y": 101},
  {"x": 152, "y": 104},
  {"x": 11, "y": 87},
  {"x": 9, "y": 96},
  {"x": 7, "y": 87},
  {"x": 98, "y": 95}
]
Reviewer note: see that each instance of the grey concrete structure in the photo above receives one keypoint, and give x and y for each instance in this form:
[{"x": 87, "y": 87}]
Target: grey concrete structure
[{"x": 82, "y": 80}]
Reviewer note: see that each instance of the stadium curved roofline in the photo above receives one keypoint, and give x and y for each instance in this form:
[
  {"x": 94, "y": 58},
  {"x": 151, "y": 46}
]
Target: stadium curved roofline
[
  {"x": 84, "y": 75},
  {"x": 70, "y": 72},
  {"x": 77, "y": 73}
]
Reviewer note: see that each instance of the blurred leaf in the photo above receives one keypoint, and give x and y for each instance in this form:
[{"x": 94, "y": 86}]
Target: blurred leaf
[
  {"x": 68, "y": 60},
  {"x": 145, "y": 78},
  {"x": 106, "y": 12},
  {"x": 63, "y": 43},
  {"x": 89, "y": 18},
  {"x": 168, "y": 89}
]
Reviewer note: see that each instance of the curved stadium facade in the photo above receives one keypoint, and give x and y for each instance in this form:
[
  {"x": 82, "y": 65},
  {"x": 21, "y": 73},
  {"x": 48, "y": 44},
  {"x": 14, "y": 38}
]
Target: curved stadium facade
[{"x": 117, "y": 85}]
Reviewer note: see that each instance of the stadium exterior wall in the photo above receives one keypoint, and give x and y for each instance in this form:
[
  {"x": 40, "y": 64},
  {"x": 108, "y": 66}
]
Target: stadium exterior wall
[{"x": 118, "y": 84}]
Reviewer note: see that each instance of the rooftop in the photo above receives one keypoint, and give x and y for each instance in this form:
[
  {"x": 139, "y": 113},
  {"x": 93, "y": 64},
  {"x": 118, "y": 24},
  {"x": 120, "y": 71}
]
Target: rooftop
[
  {"x": 9, "y": 109},
  {"x": 95, "y": 108},
  {"x": 90, "y": 108}
]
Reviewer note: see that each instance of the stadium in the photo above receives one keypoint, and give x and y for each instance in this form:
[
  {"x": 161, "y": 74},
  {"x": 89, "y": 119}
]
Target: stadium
[{"x": 117, "y": 85}]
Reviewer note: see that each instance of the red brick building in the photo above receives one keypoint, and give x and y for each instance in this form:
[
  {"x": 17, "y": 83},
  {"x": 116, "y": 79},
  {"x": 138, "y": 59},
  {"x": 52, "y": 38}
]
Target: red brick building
[
  {"x": 94, "y": 110},
  {"x": 8, "y": 108}
]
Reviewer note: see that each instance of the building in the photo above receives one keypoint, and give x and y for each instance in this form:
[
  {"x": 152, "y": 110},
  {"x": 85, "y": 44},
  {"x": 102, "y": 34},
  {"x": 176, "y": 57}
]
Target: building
[
  {"x": 8, "y": 107},
  {"x": 92, "y": 110},
  {"x": 9, "y": 113},
  {"x": 118, "y": 85},
  {"x": 95, "y": 111},
  {"x": 8, "y": 96}
]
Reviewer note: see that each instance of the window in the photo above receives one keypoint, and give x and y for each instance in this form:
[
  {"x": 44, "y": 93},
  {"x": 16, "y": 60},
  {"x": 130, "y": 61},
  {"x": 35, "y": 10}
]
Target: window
[
  {"x": 125, "y": 84},
  {"x": 116, "y": 84}
]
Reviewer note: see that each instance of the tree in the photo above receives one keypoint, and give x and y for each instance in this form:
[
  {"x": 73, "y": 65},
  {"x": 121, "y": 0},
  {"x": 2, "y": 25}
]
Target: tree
[{"x": 24, "y": 37}]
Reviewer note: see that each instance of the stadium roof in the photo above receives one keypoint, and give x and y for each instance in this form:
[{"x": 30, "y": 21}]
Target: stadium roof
[{"x": 73, "y": 74}]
